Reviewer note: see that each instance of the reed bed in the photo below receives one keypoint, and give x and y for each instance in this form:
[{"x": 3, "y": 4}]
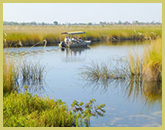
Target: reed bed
[
  {"x": 9, "y": 75},
  {"x": 134, "y": 65},
  {"x": 102, "y": 71},
  {"x": 32, "y": 71},
  {"x": 30, "y": 35},
  {"x": 147, "y": 67},
  {"x": 21, "y": 73}
]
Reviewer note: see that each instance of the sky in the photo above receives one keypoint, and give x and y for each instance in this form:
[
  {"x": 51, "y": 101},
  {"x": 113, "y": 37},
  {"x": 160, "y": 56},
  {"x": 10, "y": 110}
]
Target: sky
[{"x": 82, "y": 12}]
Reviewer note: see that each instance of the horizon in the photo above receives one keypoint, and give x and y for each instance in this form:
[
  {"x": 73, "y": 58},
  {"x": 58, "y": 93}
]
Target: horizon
[{"x": 84, "y": 22}]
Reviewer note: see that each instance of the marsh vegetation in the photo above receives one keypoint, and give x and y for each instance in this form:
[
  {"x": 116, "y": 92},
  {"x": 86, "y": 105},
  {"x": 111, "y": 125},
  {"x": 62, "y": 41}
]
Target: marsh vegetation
[
  {"x": 22, "y": 109},
  {"x": 147, "y": 67},
  {"x": 36, "y": 35},
  {"x": 115, "y": 66}
]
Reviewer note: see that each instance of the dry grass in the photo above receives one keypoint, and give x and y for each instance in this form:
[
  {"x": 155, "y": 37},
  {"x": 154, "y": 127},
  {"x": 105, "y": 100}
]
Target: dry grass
[
  {"x": 30, "y": 35},
  {"x": 150, "y": 65},
  {"x": 9, "y": 75},
  {"x": 26, "y": 72}
]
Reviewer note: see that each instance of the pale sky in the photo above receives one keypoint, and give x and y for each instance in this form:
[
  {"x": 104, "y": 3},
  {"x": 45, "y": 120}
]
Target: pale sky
[{"x": 82, "y": 12}]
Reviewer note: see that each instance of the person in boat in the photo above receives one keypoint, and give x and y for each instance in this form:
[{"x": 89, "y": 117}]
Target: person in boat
[
  {"x": 66, "y": 40},
  {"x": 74, "y": 39},
  {"x": 80, "y": 40}
]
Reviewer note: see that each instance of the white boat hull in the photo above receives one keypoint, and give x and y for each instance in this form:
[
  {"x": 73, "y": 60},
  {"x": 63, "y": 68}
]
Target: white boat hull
[{"x": 75, "y": 45}]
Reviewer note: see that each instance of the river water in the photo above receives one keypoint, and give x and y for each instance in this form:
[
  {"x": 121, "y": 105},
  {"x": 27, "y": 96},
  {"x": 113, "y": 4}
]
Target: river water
[{"x": 126, "y": 105}]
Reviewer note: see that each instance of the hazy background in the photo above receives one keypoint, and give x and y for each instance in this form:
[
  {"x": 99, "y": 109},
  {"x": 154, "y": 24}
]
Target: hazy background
[{"x": 82, "y": 12}]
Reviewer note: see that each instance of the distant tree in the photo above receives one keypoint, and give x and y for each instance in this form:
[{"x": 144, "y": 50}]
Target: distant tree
[
  {"x": 33, "y": 23},
  {"x": 101, "y": 23},
  {"x": 153, "y": 22},
  {"x": 55, "y": 23},
  {"x": 42, "y": 23},
  {"x": 119, "y": 22},
  {"x": 23, "y": 23},
  {"x": 126, "y": 23},
  {"x": 90, "y": 23},
  {"x": 136, "y": 22}
]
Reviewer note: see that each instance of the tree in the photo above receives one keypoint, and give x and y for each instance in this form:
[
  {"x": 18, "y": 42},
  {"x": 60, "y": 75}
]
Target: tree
[
  {"x": 55, "y": 23},
  {"x": 42, "y": 23},
  {"x": 119, "y": 22},
  {"x": 89, "y": 23},
  {"x": 101, "y": 23}
]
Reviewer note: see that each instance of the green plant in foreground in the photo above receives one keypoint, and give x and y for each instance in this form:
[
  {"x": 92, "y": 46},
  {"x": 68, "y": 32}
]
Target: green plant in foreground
[
  {"x": 91, "y": 109},
  {"x": 26, "y": 110}
]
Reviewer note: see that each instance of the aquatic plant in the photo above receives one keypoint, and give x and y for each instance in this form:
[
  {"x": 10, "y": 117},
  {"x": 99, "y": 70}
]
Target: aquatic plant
[
  {"x": 32, "y": 71},
  {"x": 25, "y": 110},
  {"x": 134, "y": 65},
  {"x": 26, "y": 72},
  {"x": 153, "y": 61},
  {"x": 101, "y": 71},
  {"x": 148, "y": 67},
  {"x": 10, "y": 75}
]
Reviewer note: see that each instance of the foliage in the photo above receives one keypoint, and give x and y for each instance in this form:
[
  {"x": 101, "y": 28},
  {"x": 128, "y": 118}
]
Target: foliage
[{"x": 20, "y": 110}]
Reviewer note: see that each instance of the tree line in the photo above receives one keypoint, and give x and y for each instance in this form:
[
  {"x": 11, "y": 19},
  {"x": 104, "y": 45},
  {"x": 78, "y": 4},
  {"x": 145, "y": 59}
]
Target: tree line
[{"x": 89, "y": 23}]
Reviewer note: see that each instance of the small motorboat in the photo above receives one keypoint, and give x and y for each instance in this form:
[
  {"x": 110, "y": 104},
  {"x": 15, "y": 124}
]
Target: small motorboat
[{"x": 74, "y": 42}]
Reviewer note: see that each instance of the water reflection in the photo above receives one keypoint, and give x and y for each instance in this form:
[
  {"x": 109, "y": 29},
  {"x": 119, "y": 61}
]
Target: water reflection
[
  {"x": 74, "y": 54},
  {"x": 149, "y": 93},
  {"x": 152, "y": 92},
  {"x": 35, "y": 87}
]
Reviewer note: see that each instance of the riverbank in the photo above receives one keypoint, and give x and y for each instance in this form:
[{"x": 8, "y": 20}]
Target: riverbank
[{"x": 17, "y": 36}]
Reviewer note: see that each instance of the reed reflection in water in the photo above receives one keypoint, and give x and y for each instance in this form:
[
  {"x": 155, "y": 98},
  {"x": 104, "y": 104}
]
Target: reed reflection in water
[{"x": 148, "y": 92}]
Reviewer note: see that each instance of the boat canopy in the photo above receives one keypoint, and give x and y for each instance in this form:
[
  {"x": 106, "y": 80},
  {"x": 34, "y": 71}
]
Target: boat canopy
[{"x": 73, "y": 33}]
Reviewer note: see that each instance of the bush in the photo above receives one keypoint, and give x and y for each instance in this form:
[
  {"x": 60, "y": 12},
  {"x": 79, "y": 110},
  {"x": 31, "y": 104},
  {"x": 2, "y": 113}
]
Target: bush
[{"x": 31, "y": 111}]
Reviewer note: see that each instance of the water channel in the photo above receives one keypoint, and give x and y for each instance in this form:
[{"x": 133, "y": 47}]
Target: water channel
[{"x": 127, "y": 105}]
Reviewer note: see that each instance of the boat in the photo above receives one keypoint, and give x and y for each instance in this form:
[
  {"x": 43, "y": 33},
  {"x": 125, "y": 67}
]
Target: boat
[{"x": 74, "y": 41}]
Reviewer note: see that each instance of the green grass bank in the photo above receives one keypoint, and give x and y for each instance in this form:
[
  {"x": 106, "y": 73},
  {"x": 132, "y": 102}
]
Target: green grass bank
[{"x": 36, "y": 35}]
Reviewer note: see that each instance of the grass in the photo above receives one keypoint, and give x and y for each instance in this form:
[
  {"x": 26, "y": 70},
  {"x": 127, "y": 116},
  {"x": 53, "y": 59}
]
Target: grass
[
  {"x": 101, "y": 71},
  {"x": 30, "y": 35},
  {"x": 9, "y": 75},
  {"x": 25, "y": 72},
  {"x": 25, "y": 110},
  {"x": 134, "y": 64},
  {"x": 149, "y": 66},
  {"x": 32, "y": 71}
]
